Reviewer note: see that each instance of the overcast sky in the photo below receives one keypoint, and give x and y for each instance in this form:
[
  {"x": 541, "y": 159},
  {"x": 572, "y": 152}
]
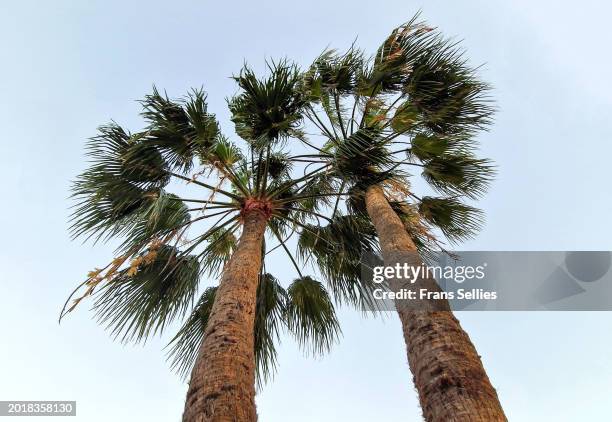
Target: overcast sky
[{"x": 68, "y": 66}]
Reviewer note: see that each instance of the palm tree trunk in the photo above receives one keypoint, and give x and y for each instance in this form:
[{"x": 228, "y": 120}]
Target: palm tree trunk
[
  {"x": 447, "y": 371},
  {"x": 222, "y": 386}
]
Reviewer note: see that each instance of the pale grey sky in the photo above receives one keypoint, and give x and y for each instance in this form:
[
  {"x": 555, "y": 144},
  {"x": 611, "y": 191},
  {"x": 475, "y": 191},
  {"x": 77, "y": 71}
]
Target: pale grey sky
[{"x": 68, "y": 66}]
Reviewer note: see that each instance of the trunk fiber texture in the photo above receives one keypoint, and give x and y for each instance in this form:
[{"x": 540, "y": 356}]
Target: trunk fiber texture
[
  {"x": 222, "y": 385},
  {"x": 447, "y": 371}
]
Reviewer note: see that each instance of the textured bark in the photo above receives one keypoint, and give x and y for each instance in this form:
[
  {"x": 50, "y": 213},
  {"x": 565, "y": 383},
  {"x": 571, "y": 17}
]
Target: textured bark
[
  {"x": 447, "y": 370},
  {"x": 222, "y": 386}
]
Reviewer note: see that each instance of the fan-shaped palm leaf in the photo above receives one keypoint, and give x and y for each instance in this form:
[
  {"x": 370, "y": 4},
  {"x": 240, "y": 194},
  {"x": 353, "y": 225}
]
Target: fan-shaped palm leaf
[
  {"x": 310, "y": 315},
  {"x": 141, "y": 300},
  {"x": 267, "y": 109}
]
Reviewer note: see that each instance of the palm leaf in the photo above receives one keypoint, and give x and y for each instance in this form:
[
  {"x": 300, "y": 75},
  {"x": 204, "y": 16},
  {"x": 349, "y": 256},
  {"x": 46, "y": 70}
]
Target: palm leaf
[
  {"x": 268, "y": 109},
  {"x": 185, "y": 345},
  {"x": 310, "y": 315},
  {"x": 459, "y": 174},
  {"x": 456, "y": 220},
  {"x": 180, "y": 129},
  {"x": 140, "y": 301},
  {"x": 337, "y": 249}
]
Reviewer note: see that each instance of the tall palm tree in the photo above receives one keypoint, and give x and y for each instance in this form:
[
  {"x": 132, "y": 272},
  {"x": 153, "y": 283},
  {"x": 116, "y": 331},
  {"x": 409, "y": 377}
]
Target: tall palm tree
[
  {"x": 250, "y": 196},
  {"x": 414, "y": 107}
]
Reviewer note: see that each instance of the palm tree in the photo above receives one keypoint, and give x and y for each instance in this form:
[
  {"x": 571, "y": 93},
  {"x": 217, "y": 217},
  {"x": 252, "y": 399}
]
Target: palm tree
[
  {"x": 415, "y": 106},
  {"x": 250, "y": 197}
]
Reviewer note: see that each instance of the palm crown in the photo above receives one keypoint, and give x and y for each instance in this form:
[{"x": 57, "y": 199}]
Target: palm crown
[
  {"x": 155, "y": 276},
  {"x": 414, "y": 106}
]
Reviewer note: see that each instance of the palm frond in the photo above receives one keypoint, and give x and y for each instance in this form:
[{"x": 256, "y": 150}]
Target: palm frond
[
  {"x": 337, "y": 249},
  {"x": 310, "y": 315},
  {"x": 459, "y": 174},
  {"x": 218, "y": 251},
  {"x": 446, "y": 91},
  {"x": 180, "y": 129},
  {"x": 279, "y": 165},
  {"x": 456, "y": 220},
  {"x": 124, "y": 178},
  {"x": 185, "y": 345},
  {"x": 142, "y": 163},
  {"x": 163, "y": 214},
  {"x": 394, "y": 60},
  {"x": 224, "y": 152},
  {"x": 315, "y": 193},
  {"x": 362, "y": 156},
  {"x": 141, "y": 300},
  {"x": 406, "y": 118},
  {"x": 271, "y": 302},
  {"x": 268, "y": 109}
]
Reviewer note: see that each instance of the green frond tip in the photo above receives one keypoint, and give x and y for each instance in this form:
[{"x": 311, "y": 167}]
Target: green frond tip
[
  {"x": 337, "y": 249},
  {"x": 459, "y": 174},
  {"x": 141, "y": 300},
  {"x": 456, "y": 220},
  {"x": 125, "y": 177},
  {"x": 446, "y": 91},
  {"x": 159, "y": 216},
  {"x": 185, "y": 345},
  {"x": 271, "y": 303},
  {"x": 332, "y": 72},
  {"x": 310, "y": 315},
  {"x": 395, "y": 58},
  {"x": 180, "y": 129},
  {"x": 141, "y": 163},
  {"x": 218, "y": 251},
  {"x": 363, "y": 155},
  {"x": 223, "y": 152},
  {"x": 267, "y": 109}
]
